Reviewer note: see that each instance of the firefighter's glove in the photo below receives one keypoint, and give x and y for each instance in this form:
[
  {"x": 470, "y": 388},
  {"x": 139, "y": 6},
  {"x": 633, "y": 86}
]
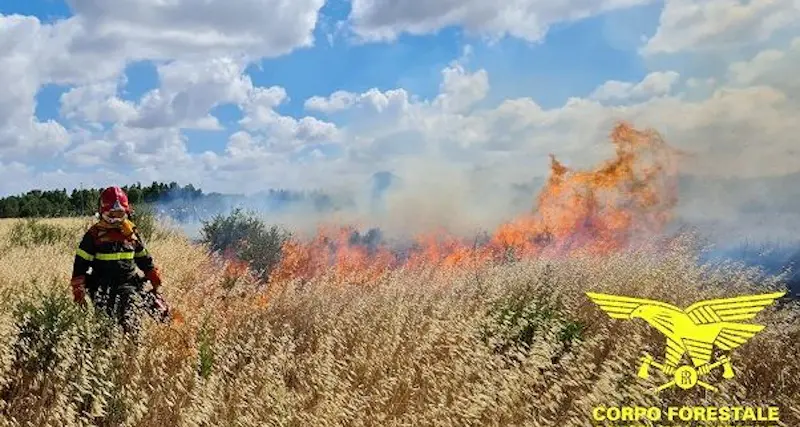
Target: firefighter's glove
[
  {"x": 79, "y": 289},
  {"x": 154, "y": 277}
]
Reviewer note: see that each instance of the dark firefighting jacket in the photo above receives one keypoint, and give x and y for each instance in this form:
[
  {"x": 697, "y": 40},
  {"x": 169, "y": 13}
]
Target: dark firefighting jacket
[{"x": 112, "y": 256}]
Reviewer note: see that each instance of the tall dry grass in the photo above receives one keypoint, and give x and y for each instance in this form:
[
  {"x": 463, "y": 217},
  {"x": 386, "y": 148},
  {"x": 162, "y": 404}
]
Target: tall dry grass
[{"x": 412, "y": 349}]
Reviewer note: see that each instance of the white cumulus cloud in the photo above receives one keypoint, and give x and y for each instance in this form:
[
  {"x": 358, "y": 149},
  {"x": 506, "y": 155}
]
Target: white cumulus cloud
[
  {"x": 657, "y": 83},
  {"x": 524, "y": 19},
  {"x": 705, "y": 25}
]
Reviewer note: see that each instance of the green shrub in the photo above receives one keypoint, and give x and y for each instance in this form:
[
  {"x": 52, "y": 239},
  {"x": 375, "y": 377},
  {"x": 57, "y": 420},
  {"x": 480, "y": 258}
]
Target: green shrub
[
  {"x": 146, "y": 222},
  {"x": 247, "y": 238},
  {"x": 205, "y": 349},
  {"x": 263, "y": 250},
  {"x": 223, "y": 233},
  {"x": 517, "y": 321},
  {"x": 32, "y": 232}
]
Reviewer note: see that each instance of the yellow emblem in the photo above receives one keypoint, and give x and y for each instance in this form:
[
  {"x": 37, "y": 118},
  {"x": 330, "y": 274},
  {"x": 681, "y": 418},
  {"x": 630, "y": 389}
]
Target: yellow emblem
[{"x": 694, "y": 331}]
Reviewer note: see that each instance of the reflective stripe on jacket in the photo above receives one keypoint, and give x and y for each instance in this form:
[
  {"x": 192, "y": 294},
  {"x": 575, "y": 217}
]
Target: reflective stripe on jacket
[{"x": 112, "y": 256}]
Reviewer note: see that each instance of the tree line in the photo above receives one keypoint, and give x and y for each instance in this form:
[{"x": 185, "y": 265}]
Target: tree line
[
  {"x": 179, "y": 202},
  {"x": 60, "y": 203}
]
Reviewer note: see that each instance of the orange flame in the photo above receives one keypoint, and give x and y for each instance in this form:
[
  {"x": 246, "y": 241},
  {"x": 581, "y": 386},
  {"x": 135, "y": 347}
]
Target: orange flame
[
  {"x": 598, "y": 211},
  {"x": 331, "y": 249}
]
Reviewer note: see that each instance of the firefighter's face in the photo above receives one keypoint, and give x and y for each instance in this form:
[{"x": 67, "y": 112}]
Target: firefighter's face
[{"x": 114, "y": 216}]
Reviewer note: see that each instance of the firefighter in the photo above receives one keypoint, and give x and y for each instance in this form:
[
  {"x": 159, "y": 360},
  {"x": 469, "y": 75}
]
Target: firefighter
[{"x": 113, "y": 249}]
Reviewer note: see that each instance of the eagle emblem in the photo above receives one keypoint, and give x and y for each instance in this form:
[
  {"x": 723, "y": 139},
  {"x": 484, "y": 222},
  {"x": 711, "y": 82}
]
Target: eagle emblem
[{"x": 694, "y": 332}]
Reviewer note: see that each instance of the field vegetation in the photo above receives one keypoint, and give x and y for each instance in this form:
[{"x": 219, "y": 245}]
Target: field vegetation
[{"x": 509, "y": 343}]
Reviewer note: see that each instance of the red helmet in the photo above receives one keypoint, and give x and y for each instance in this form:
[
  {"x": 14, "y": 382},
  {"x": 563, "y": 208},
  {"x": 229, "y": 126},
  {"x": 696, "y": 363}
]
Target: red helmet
[{"x": 112, "y": 199}]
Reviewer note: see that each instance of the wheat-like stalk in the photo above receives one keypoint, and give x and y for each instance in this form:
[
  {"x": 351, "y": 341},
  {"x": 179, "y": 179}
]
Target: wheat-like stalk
[{"x": 410, "y": 348}]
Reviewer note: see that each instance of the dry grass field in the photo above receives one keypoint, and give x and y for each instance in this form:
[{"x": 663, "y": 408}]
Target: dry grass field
[{"x": 495, "y": 345}]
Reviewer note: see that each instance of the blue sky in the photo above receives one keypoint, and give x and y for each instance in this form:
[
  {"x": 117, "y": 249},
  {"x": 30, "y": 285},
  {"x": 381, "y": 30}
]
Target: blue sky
[
  {"x": 573, "y": 60},
  {"x": 535, "y": 81}
]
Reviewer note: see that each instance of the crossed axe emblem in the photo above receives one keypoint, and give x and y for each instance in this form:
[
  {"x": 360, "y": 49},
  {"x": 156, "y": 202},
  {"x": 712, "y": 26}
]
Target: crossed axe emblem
[{"x": 686, "y": 376}]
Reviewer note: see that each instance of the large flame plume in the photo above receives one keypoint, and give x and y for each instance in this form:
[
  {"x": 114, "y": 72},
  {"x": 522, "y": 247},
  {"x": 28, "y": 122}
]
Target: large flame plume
[{"x": 598, "y": 211}]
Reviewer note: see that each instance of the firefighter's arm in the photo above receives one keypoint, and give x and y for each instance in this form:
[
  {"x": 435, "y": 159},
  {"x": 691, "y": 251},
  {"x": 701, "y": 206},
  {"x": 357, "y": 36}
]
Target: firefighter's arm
[
  {"x": 84, "y": 255},
  {"x": 144, "y": 260}
]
